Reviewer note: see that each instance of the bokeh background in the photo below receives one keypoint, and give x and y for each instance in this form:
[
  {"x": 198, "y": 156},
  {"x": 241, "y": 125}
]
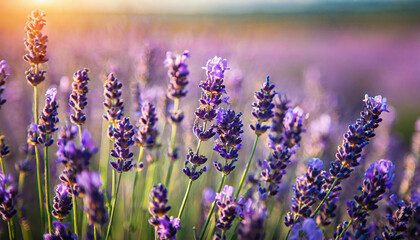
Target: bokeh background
[{"x": 326, "y": 55}]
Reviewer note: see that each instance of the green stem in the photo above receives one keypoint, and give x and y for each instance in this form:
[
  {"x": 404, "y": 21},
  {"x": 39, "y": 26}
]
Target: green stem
[
  {"x": 325, "y": 198},
  {"x": 181, "y": 209},
  {"x": 345, "y": 229},
  {"x": 35, "y": 105},
  {"x": 10, "y": 228},
  {"x": 171, "y": 163},
  {"x": 75, "y": 214},
  {"x": 80, "y": 132},
  {"x": 25, "y": 234},
  {"x": 47, "y": 190},
  {"x": 95, "y": 237},
  {"x": 241, "y": 183},
  {"x": 38, "y": 176},
  {"x": 2, "y": 165},
  {"x": 133, "y": 200},
  {"x": 104, "y": 158},
  {"x": 114, "y": 202},
  {"x": 203, "y": 231}
]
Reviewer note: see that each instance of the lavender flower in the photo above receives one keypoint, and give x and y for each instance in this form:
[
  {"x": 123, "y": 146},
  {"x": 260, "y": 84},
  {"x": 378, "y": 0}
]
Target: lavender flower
[
  {"x": 196, "y": 160},
  {"x": 178, "y": 73},
  {"x": 32, "y": 134},
  {"x": 123, "y": 135},
  {"x": 229, "y": 208},
  {"x": 378, "y": 178},
  {"x": 306, "y": 230},
  {"x": 60, "y": 233},
  {"x": 306, "y": 189},
  {"x": 48, "y": 118},
  {"x": 93, "y": 199},
  {"x": 398, "y": 222},
  {"x": 74, "y": 159},
  {"x": 228, "y": 143},
  {"x": 147, "y": 133},
  {"x": 113, "y": 101},
  {"x": 4, "y": 149},
  {"x": 281, "y": 105},
  {"x": 213, "y": 88},
  {"x": 68, "y": 132},
  {"x": 35, "y": 47},
  {"x": 253, "y": 224},
  {"x": 78, "y": 99},
  {"x": 263, "y": 107},
  {"x": 284, "y": 145},
  {"x": 4, "y": 74},
  {"x": 166, "y": 226},
  {"x": 62, "y": 202},
  {"x": 349, "y": 153},
  {"x": 7, "y": 197}
]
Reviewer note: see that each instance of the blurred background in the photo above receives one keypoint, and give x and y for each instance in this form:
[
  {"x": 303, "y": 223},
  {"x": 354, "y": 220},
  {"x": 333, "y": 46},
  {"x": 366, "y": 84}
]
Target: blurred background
[{"x": 325, "y": 55}]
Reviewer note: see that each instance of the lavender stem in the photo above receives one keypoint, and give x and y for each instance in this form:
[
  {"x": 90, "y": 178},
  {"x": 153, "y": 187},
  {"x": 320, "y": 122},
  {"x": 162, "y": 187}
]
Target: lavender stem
[
  {"x": 114, "y": 202},
  {"x": 173, "y": 139},
  {"x": 181, "y": 210},
  {"x": 241, "y": 183},
  {"x": 47, "y": 191},
  {"x": 325, "y": 198},
  {"x": 75, "y": 214}
]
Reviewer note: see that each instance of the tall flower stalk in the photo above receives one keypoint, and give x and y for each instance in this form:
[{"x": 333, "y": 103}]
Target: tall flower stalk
[
  {"x": 46, "y": 127},
  {"x": 228, "y": 143},
  {"x": 7, "y": 202},
  {"x": 212, "y": 96},
  {"x": 36, "y": 50},
  {"x": 178, "y": 73},
  {"x": 349, "y": 153},
  {"x": 263, "y": 112},
  {"x": 123, "y": 135}
]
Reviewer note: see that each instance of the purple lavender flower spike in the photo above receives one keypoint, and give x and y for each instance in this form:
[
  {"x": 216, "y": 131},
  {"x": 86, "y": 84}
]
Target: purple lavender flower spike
[
  {"x": 165, "y": 226},
  {"x": 281, "y": 105},
  {"x": 123, "y": 135},
  {"x": 229, "y": 208},
  {"x": 378, "y": 179},
  {"x": 178, "y": 73},
  {"x": 78, "y": 99},
  {"x": 168, "y": 226},
  {"x": 62, "y": 202},
  {"x": 349, "y": 153},
  {"x": 4, "y": 149},
  {"x": 213, "y": 88},
  {"x": 35, "y": 47},
  {"x": 61, "y": 232},
  {"x": 48, "y": 118},
  {"x": 113, "y": 102},
  {"x": 254, "y": 217},
  {"x": 74, "y": 159},
  {"x": 202, "y": 134},
  {"x": 147, "y": 132},
  {"x": 93, "y": 198},
  {"x": 4, "y": 74},
  {"x": 284, "y": 142},
  {"x": 67, "y": 133},
  {"x": 263, "y": 107},
  {"x": 306, "y": 190},
  {"x": 8, "y": 195},
  {"x": 398, "y": 222},
  {"x": 196, "y": 161},
  {"x": 306, "y": 230},
  {"x": 228, "y": 142}
]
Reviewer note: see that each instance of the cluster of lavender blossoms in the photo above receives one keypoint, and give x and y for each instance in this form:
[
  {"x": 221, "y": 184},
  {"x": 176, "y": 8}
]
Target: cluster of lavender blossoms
[
  {"x": 398, "y": 221},
  {"x": 48, "y": 119},
  {"x": 165, "y": 226},
  {"x": 286, "y": 130},
  {"x": 8, "y": 199},
  {"x": 75, "y": 159},
  {"x": 228, "y": 142},
  {"x": 78, "y": 98},
  {"x": 228, "y": 208},
  {"x": 62, "y": 202},
  {"x": 147, "y": 132},
  {"x": 254, "y": 215},
  {"x": 93, "y": 198},
  {"x": 378, "y": 179},
  {"x": 306, "y": 190},
  {"x": 113, "y": 103},
  {"x": 349, "y": 154},
  {"x": 123, "y": 135},
  {"x": 35, "y": 47},
  {"x": 263, "y": 107},
  {"x": 4, "y": 74},
  {"x": 61, "y": 232}
]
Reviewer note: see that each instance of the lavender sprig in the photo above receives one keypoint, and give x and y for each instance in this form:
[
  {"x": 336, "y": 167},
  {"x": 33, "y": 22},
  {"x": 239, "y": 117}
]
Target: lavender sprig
[
  {"x": 251, "y": 227},
  {"x": 378, "y": 178},
  {"x": 93, "y": 198},
  {"x": 113, "y": 103},
  {"x": 123, "y": 135},
  {"x": 398, "y": 222},
  {"x": 4, "y": 74},
  {"x": 61, "y": 232},
  {"x": 7, "y": 197},
  {"x": 165, "y": 227},
  {"x": 78, "y": 99},
  {"x": 48, "y": 119},
  {"x": 147, "y": 132},
  {"x": 229, "y": 207},
  {"x": 306, "y": 189},
  {"x": 62, "y": 202},
  {"x": 306, "y": 230},
  {"x": 349, "y": 153}
]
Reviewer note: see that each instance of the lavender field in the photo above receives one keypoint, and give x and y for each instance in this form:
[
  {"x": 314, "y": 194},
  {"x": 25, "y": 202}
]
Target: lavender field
[{"x": 125, "y": 126}]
